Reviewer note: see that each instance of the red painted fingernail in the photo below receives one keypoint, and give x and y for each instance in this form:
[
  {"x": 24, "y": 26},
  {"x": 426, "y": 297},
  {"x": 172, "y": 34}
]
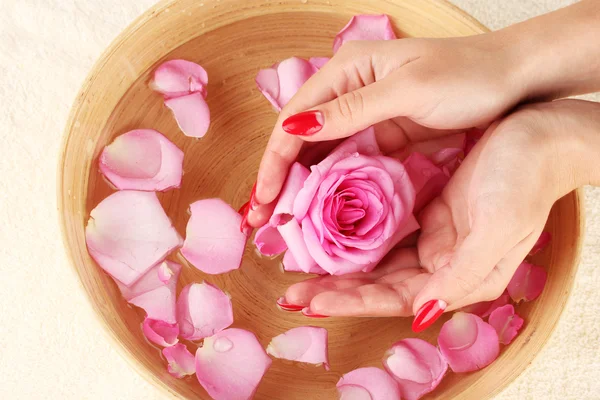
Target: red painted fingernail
[
  {"x": 304, "y": 124},
  {"x": 307, "y": 313},
  {"x": 245, "y": 228},
  {"x": 428, "y": 314},
  {"x": 254, "y": 204},
  {"x": 285, "y": 306}
]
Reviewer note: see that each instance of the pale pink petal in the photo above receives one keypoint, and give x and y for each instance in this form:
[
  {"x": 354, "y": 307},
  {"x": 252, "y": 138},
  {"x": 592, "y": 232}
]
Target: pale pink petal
[
  {"x": 485, "y": 308},
  {"x": 527, "y": 283},
  {"x": 267, "y": 81},
  {"x": 177, "y": 78},
  {"x": 191, "y": 113},
  {"x": 268, "y": 241},
  {"x": 417, "y": 366},
  {"x": 377, "y": 384},
  {"x": 292, "y": 73},
  {"x": 290, "y": 265},
  {"x": 506, "y": 323},
  {"x": 318, "y": 62},
  {"x": 153, "y": 279},
  {"x": 142, "y": 159},
  {"x": 307, "y": 344},
  {"x": 165, "y": 272},
  {"x": 297, "y": 247},
  {"x": 159, "y": 304},
  {"x": 427, "y": 178},
  {"x": 128, "y": 233},
  {"x": 365, "y": 27},
  {"x": 214, "y": 243},
  {"x": 468, "y": 343},
  {"x": 231, "y": 364},
  {"x": 293, "y": 184},
  {"x": 160, "y": 332},
  {"x": 541, "y": 243},
  {"x": 181, "y": 361},
  {"x": 202, "y": 311}
]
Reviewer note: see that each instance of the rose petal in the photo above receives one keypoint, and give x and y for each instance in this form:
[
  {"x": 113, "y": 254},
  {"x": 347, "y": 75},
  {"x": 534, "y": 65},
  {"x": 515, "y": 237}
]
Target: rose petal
[
  {"x": 177, "y": 78},
  {"x": 267, "y": 81},
  {"x": 318, "y": 62},
  {"x": 417, "y": 366},
  {"x": 153, "y": 279},
  {"x": 160, "y": 332},
  {"x": 281, "y": 82},
  {"x": 541, "y": 243},
  {"x": 268, "y": 241},
  {"x": 214, "y": 243},
  {"x": 128, "y": 233},
  {"x": 165, "y": 272},
  {"x": 191, "y": 113},
  {"x": 297, "y": 247},
  {"x": 293, "y": 184},
  {"x": 468, "y": 343},
  {"x": 377, "y": 384},
  {"x": 485, "y": 308},
  {"x": 159, "y": 303},
  {"x": 142, "y": 159},
  {"x": 290, "y": 265},
  {"x": 231, "y": 364},
  {"x": 202, "y": 311},
  {"x": 472, "y": 137},
  {"x": 307, "y": 344},
  {"x": 506, "y": 323},
  {"x": 527, "y": 283},
  {"x": 427, "y": 178},
  {"x": 365, "y": 27},
  {"x": 181, "y": 361}
]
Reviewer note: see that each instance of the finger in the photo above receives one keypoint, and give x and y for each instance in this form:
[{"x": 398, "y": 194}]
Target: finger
[
  {"x": 302, "y": 293},
  {"x": 438, "y": 235},
  {"x": 376, "y": 300}
]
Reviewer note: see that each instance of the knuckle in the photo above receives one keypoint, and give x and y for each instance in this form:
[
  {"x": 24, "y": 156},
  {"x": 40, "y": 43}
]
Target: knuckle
[{"x": 350, "y": 106}]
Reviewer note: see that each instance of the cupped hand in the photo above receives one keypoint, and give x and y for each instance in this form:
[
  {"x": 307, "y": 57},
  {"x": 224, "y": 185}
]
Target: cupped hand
[{"x": 401, "y": 81}]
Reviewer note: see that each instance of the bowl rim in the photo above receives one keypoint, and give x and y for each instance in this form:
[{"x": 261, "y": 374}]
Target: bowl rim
[{"x": 144, "y": 20}]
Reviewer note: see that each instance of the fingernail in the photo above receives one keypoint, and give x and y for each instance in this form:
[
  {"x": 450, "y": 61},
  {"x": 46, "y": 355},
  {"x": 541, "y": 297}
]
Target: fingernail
[
  {"x": 254, "y": 204},
  {"x": 245, "y": 228},
  {"x": 285, "y": 306},
  {"x": 307, "y": 313},
  {"x": 428, "y": 314},
  {"x": 306, "y": 123}
]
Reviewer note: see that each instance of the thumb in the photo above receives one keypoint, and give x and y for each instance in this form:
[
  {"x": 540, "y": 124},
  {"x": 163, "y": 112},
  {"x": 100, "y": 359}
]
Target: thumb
[{"x": 349, "y": 113}]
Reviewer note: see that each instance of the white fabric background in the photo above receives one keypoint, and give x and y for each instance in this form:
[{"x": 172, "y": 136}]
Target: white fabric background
[{"x": 51, "y": 347}]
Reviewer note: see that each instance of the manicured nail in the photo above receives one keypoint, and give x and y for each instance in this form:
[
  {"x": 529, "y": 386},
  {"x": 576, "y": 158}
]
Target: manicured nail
[
  {"x": 306, "y": 123},
  {"x": 307, "y": 313},
  {"x": 285, "y": 306},
  {"x": 254, "y": 204},
  {"x": 245, "y": 228},
  {"x": 428, "y": 314}
]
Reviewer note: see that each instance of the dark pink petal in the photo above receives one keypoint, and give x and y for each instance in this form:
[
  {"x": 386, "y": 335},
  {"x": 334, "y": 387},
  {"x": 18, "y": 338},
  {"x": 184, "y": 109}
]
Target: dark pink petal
[
  {"x": 202, "y": 311},
  {"x": 160, "y": 332},
  {"x": 191, "y": 113},
  {"x": 473, "y": 136},
  {"x": 307, "y": 344},
  {"x": 268, "y": 241},
  {"x": 142, "y": 159},
  {"x": 365, "y": 27},
  {"x": 417, "y": 366},
  {"x": 290, "y": 265},
  {"x": 181, "y": 361},
  {"x": 427, "y": 178},
  {"x": 214, "y": 243},
  {"x": 468, "y": 343},
  {"x": 485, "y": 308},
  {"x": 177, "y": 78},
  {"x": 231, "y": 364},
  {"x": 128, "y": 233},
  {"x": 527, "y": 283},
  {"x": 506, "y": 323},
  {"x": 368, "y": 383},
  {"x": 153, "y": 279},
  {"x": 293, "y": 184},
  {"x": 318, "y": 62},
  {"x": 541, "y": 243}
]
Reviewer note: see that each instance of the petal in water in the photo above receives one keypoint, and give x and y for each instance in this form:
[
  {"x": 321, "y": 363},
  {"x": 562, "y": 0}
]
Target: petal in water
[
  {"x": 468, "y": 343},
  {"x": 506, "y": 323},
  {"x": 369, "y": 384},
  {"x": 128, "y": 233},
  {"x": 202, "y": 311},
  {"x": 485, "y": 308},
  {"x": 181, "y": 361},
  {"x": 214, "y": 243},
  {"x": 191, "y": 113},
  {"x": 231, "y": 364},
  {"x": 365, "y": 27},
  {"x": 176, "y": 78},
  {"x": 307, "y": 344},
  {"x": 160, "y": 332},
  {"x": 527, "y": 283},
  {"x": 416, "y": 365}
]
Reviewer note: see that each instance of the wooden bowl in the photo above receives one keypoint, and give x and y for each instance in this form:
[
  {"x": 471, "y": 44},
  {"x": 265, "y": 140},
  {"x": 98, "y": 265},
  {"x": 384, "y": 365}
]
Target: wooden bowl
[{"x": 233, "y": 39}]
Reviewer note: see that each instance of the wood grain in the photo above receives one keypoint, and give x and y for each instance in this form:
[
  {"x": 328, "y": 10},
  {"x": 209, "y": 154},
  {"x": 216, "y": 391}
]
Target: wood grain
[{"x": 233, "y": 39}]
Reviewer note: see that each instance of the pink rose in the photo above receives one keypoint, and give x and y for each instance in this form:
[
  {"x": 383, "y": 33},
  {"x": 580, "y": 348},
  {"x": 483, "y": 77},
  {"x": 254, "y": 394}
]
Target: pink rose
[{"x": 343, "y": 215}]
